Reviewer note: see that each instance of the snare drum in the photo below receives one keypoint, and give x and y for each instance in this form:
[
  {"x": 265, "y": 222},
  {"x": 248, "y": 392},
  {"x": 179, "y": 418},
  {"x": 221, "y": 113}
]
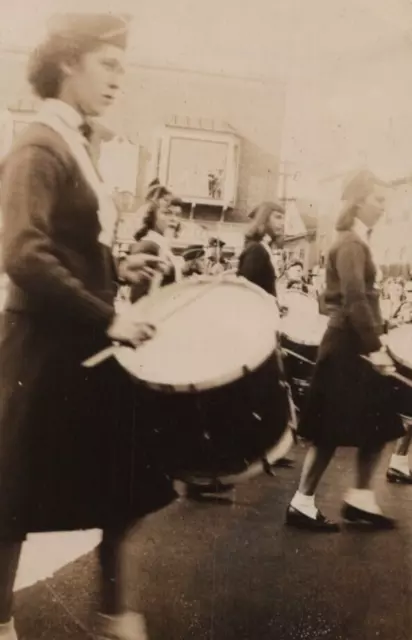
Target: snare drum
[
  {"x": 302, "y": 329},
  {"x": 211, "y": 378},
  {"x": 399, "y": 345}
]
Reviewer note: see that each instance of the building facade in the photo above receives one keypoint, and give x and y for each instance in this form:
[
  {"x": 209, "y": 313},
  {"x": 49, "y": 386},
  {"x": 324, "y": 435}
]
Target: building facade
[{"x": 214, "y": 140}]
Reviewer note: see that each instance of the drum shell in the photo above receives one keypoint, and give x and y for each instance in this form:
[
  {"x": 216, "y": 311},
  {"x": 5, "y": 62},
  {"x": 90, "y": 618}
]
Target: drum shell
[
  {"x": 220, "y": 431},
  {"x": 403, "y": 392},
  {"x": 298, "y": 372}
]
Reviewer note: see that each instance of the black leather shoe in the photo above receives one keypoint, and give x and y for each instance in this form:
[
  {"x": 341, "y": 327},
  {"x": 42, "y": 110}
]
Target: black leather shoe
[
  {"x": 394, "y": 475},
  {"x": 295, "y": 518},
  {"x": 286, "y": 463},
  {"x": 356, "y": 516},
  {"x": 194, "y": 490}
]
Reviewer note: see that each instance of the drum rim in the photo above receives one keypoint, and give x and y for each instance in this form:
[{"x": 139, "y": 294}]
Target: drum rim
[
  {"x": 392, "y": 353},
  {"x": 291, "y": 337},
  {"x": 225, "y": 379}
]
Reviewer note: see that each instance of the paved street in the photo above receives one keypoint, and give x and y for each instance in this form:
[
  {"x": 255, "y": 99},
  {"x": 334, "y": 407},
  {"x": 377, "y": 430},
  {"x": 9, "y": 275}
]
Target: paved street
[{"x": 218, "y": 571}]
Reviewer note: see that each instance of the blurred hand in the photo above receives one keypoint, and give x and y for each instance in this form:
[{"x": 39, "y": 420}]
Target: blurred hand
[
  {"x": 129, "y": 330},
  {"x": 140, "y": 266},
  {"x": 382, "y": 362}
]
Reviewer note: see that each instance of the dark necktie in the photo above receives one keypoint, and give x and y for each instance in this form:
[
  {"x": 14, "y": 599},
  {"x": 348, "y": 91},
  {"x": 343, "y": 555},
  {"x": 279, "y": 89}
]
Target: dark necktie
[
  {"x": 86, "y": 130},
  {"x": 369, "y": 236}
]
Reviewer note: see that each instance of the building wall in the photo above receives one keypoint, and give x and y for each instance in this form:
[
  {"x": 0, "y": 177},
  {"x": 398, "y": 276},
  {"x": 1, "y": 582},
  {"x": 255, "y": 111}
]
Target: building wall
[{"x": 254, "y": 108}]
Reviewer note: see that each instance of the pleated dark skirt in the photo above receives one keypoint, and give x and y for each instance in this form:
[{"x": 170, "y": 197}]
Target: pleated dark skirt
[
  {"x": 349, "y": 404},
  {"x": 75, "y": 451}
]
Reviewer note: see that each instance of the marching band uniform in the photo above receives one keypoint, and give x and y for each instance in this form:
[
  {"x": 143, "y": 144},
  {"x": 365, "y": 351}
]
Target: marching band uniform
[
  {"x": 356, "y": 394},
  {"x": 71, "y": 455},
  {"x": 256, "y": 266},
  {"x": 349, "y": 403}
]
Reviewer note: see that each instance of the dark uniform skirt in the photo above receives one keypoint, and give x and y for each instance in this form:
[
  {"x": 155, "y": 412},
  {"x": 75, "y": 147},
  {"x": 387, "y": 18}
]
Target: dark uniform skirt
[
  {"x": 349, "y": 403},
  {"x": 73, "y": 447}
]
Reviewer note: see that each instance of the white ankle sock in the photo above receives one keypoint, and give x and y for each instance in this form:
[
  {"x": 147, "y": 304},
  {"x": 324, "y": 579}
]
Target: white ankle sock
[
  {"x": 400, "y": 463},
  {"x": 363, "y": 499},
  {"x": 304, "y": 504}
]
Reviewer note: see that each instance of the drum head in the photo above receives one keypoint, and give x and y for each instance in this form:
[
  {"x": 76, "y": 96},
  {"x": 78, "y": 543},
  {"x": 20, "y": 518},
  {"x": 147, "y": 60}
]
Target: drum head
[
  {"x": 209, "y": 332},
  {"x": 302, "y": 323},
  {"x": 399, "y": 345}
]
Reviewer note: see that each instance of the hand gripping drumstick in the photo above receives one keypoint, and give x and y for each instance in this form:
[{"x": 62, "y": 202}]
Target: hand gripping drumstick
[
  {"x": 392, "y": 374},
  {"x": 103, "y": 355}
]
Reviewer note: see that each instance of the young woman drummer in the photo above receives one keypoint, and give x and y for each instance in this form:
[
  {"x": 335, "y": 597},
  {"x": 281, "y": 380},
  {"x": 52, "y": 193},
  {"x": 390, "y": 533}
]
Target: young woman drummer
[
  {"x": 255, "y": 262},
  {"x": 70, "y": 450},
  {"x": 350, "y": 403}
]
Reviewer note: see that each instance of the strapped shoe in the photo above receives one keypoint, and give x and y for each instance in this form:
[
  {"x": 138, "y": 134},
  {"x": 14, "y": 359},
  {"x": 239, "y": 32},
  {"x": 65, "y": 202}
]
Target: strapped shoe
[
  {"x": 126, "y": 626},
  {"x": 354, "y": 515},
  {"x": 295, "y": 518},
  {"x": 399, "y": 477}
]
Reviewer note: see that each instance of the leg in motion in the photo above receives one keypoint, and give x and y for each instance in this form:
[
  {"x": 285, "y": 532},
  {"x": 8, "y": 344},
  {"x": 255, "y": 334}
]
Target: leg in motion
[
  {"x": 114, "y": 621},
  {"x": 302, "y": 511},
  {"x": 9, "y": 561},
  {"x": 360, "y": 506},
  {"x": 399, "y": 470}
]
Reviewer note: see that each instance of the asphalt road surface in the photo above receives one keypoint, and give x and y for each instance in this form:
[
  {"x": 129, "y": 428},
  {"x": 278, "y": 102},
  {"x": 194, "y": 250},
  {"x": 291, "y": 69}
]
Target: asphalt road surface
[{"x": 231, "y": 570}]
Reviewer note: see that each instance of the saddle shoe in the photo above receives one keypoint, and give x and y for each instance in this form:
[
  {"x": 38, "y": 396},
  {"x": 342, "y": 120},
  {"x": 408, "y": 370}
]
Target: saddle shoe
[
  {"x": 398, "y": 477},
  {"x": 299, "y": 520},
  {"x": 377, "y": 521}
]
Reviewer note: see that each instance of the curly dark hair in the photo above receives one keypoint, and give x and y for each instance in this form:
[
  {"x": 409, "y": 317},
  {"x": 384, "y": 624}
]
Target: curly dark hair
[
  {"x": 148, "y": 222},
  {"x": 45, "y": 72}
]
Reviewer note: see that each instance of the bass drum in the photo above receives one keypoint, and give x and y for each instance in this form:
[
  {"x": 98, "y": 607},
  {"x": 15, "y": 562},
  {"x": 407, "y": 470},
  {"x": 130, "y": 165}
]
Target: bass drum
[
  {"x": 302, "y": 329},
  {"x": 213, "y": 392},
  {"x": 399, "y": 345}
]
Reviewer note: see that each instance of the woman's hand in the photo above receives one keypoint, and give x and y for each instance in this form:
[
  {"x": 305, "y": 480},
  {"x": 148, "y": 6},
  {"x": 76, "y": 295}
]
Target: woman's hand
[
  {"x": 129, "y": 330},
  {"x": 140, "y": 267},
  {"x": 382, "y": 362}
]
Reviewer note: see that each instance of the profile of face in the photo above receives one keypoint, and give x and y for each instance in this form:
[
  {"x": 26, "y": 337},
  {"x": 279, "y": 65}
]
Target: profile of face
[
  {"x": 372, "y": 208},
  {"x": 276, "y": 224},
  {"x": 164, "y": 203},
  {"x": 92, "y": 83},
  {"x": 295, "y": 272}
]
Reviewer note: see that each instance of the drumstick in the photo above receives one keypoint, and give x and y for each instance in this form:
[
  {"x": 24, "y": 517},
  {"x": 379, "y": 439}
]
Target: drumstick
[
  {"x": 106, "y": 353},
  {"x": 392, "y": 374},
  {"x": 297, "y": 355}
]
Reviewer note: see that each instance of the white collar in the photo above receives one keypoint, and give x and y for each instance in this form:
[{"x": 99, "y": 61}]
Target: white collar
[
  {"x": 265, "y": 243},
  {"x": 68, "y": 114},
  {"x": 361, "y": 230}
]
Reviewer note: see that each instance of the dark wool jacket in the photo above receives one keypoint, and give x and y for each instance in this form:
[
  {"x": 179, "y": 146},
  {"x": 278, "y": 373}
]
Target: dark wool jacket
[
  {"x": 50, "y": 249},
  {"x": 256, "y": 266},
  {"x": 70, "y": 455},
  {"x": 350, "y": 296}
]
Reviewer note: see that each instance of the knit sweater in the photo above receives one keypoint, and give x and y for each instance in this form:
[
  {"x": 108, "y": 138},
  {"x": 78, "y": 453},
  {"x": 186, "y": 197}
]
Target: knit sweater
[{"x": 351, "y": 298}]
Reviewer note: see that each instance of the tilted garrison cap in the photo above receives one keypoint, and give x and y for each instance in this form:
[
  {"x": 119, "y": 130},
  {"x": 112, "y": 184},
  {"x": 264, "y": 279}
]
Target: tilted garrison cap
[{"x": 104, "y": 27}]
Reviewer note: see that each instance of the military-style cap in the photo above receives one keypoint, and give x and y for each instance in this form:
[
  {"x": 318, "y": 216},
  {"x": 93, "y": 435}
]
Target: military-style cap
[
  {"x": 216, "y": 242},
  {"x": 104, "y": 27},
  {"x": 194, "y": 252}
]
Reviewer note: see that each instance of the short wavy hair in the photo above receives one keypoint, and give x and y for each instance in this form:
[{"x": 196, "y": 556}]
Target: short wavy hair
[{"x": 45, "y": 73}]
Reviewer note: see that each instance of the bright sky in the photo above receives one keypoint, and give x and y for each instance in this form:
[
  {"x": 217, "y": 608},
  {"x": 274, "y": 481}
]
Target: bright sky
[{"x": 347, "y": 65}]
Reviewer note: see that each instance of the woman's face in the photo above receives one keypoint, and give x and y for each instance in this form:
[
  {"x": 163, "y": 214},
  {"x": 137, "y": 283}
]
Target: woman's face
[
  {"x": 164, "y": 203},
  {"x": 92, "y": 84},
  {"x": 276, "y": 224},
  {"x": 372, "y": 208}
]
